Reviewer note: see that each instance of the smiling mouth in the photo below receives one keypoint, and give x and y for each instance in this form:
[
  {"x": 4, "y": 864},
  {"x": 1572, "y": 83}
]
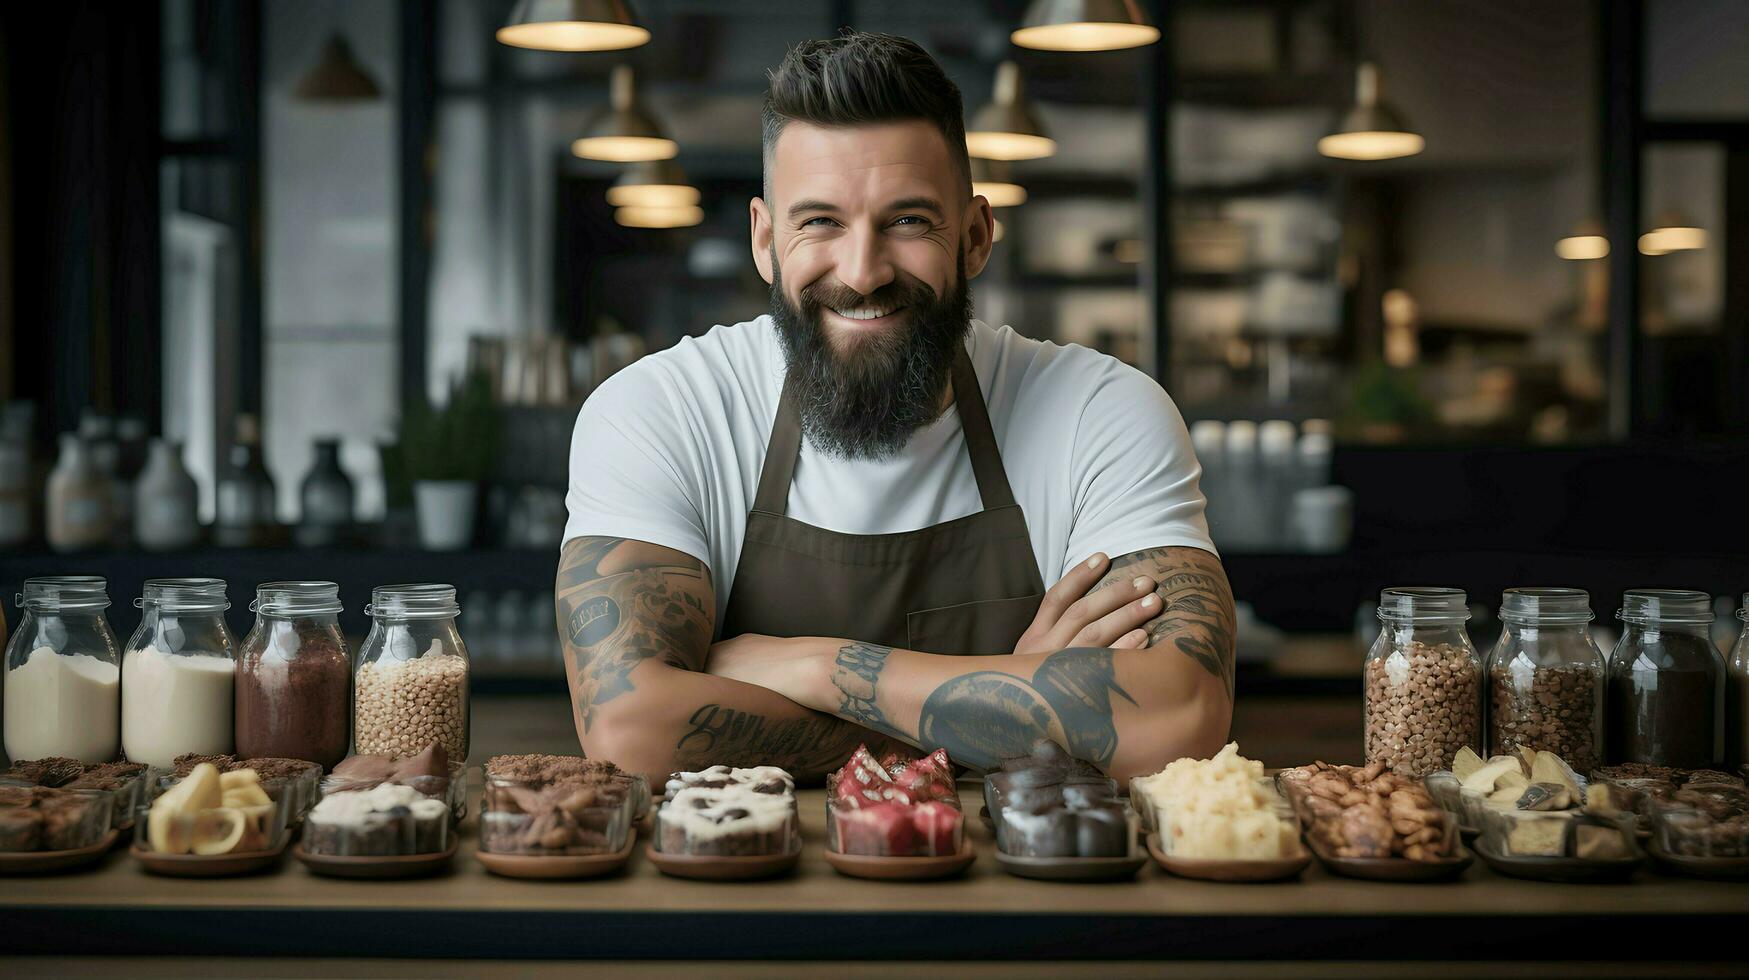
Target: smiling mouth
[{"x": 867, "y": 314}]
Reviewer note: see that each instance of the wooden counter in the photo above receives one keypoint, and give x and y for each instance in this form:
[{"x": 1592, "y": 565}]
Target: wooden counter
[
  {"x": 816, "y": 914},
  {"x": 819, "y": 915}
]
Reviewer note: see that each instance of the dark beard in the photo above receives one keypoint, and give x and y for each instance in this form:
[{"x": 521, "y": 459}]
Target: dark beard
[{"x": 865, "y": 401}]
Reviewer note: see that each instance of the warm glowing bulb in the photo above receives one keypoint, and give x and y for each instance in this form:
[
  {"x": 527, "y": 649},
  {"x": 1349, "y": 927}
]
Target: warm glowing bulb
[
  {"x": 625, "y": 149},
  {"x": 1000, "y": 194},
  {"x": 573, "y": 36},
  {"x": 652, "y": 195},
  {"x": 1085, "y": 36},
  {"x": 1000, "y": 231},
  {"x": 646, "y": 217},
  {"x": 1375, "y": 145},
  {"x": 1578, "y": 247},
  {"x": 1659, "y": 241},
  {"x": 1009, "y": 146}
]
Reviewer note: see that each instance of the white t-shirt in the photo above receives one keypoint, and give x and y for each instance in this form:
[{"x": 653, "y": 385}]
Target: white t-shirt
[{"x": 669, "y": 451}]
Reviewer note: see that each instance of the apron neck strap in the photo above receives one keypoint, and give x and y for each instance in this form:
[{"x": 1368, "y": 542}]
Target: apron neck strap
[{"x": 785, "y": 446}]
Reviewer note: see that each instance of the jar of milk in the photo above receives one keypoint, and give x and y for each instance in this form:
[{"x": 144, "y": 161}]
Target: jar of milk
[
  {"x": 177, "y": 672},
  {"x": 63, "y": 682}
]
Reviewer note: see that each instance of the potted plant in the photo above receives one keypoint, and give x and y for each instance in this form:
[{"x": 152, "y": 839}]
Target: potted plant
[{"x": 447, "y": 451}]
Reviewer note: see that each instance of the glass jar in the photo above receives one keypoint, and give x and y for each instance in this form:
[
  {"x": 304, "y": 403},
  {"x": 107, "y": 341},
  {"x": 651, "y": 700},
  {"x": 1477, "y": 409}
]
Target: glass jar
[
  {"x": 294, "y": 678},
  {"x": 1423, "y": 682},
  {"x": 63, "y": 673},
  {"x": 1666, "y": 682},
  {"x": 1546, "y": 678},
  {"x": 177, "y": 673},
  {"x": 166, "y": 500},
  {"x": 410, "y": 688},
  {"x": 78, "y": 500},
  {"x": 1737, "y": 697}
]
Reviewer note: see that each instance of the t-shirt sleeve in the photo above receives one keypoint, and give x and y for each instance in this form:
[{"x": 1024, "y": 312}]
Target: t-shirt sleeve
[
  {"x": 1136, "y": 478},
  {"x": 633, "y": 471}
]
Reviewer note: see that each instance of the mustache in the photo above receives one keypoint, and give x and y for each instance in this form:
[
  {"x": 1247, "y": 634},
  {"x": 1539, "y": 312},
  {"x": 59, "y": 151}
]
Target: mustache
[{"x": 903, "y": 291}]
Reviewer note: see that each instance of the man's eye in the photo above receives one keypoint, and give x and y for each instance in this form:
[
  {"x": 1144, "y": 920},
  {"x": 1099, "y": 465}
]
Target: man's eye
[
  {"x": 909, "y": 219},
  {"x": 818, "y": 222}
]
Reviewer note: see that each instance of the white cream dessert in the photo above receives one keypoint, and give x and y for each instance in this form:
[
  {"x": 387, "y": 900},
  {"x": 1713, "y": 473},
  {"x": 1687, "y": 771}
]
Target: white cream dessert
[{"x": 727, "y": 821}]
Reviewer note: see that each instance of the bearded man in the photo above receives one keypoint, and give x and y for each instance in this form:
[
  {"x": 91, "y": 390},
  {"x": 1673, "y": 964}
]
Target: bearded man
[{"x": 834, "y": 524}]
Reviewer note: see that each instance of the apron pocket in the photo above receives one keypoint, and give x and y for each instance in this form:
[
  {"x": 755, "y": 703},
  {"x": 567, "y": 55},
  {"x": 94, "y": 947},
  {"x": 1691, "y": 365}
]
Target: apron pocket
[{"x": 990, "y": 626}]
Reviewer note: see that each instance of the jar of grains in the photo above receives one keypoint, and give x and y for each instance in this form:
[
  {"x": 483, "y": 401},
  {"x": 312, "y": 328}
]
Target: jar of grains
[
  {"x": 294, "y": 678},
  {"x": 1546, "y": 678},
  {"x": 411, "y": 685},
  {"x": 1666, "y": 682},
  {"x": 1423, "y": 682}
]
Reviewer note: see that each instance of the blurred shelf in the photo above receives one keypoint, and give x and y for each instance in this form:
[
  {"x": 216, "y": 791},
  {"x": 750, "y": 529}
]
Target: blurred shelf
[{"x": 1091, "y": 280}]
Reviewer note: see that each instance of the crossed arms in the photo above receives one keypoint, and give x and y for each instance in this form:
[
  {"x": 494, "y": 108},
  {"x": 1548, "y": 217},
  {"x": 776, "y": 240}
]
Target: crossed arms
[{"x": 1129, "y": 664}]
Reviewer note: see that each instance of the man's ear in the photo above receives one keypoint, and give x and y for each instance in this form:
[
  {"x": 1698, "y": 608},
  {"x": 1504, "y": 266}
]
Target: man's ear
[
  {"x": 980, "y": 236},
  {"x": 760, "y": 217}
]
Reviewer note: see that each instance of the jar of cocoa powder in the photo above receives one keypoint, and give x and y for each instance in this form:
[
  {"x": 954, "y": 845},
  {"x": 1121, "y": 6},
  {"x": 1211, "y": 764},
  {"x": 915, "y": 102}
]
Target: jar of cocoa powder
[
  {"x": 1546, "y": 678},
  {"x": 411, "y": 684},
  {"x": 294, "y": 679},
  {"x": 1423, "y": 682},
  {"x": 1667, "y": 682}
]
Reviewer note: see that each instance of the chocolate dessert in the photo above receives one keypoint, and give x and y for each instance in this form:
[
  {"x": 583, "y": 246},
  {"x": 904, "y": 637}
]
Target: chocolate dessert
[
  {"x": 52, "y": 771},
  {"x": 39, "y": 818},
  {"x": 556, "y": 805},
  {"x": 387, "y": 820}
]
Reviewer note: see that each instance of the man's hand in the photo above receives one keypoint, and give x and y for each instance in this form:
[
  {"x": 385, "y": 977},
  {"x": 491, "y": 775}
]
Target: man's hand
[{"x": 1076, "y": 614}]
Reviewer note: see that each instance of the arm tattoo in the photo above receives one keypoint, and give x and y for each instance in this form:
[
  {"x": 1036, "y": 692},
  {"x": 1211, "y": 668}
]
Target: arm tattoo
[
  {"x": 623, "y": 602},
  {"x": 1196, "y": 604},
  {"x": 855, "y": 674},
  {"x": 986, "y": 716},
  {"x": 807, "y": 747}
]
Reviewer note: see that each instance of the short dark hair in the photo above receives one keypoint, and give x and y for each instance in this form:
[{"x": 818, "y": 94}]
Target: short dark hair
[{"x": 858, "y": 78}]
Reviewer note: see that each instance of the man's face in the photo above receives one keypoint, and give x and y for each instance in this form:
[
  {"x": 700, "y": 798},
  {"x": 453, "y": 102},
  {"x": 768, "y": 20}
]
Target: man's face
[{"x": 868, "y": 237}]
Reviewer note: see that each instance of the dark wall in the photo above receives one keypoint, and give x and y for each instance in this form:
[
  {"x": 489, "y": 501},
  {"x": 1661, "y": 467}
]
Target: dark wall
[{"x": 80, "y": 298}]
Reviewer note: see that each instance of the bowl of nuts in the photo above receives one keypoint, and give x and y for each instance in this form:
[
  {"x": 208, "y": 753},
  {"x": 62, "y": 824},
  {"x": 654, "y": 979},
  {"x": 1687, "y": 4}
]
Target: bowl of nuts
[{"x": 1364, "y": 822}]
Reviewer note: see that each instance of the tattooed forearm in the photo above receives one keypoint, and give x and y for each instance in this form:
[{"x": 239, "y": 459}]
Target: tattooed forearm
[
  {"x": 623, "y": 602},
  {"x": 807, "y": 747},
  {"x": 855, "y": 673},
  {"x": 1196, "y": 604},
  {"x": 986, "y": 716}
]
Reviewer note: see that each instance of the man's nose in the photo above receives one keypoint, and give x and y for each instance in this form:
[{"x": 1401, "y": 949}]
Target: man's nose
[{"x": 863, "y": 263}]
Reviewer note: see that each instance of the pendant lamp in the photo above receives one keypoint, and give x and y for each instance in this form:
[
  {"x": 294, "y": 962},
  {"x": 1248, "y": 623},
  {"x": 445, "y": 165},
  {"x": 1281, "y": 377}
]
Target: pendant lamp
[
  {"x": 646, "y": 217},
  {"x": 653, "y": 184},
  {"x": 1372, "y": 129},
  {"x": 338, "y": 77},
  {"x": 624, "y": 132},
  {"x": 1006, "y": 129},
  {"x": 1084, "y": 25},
  {"x": 991, "y": 179},
  {"x": 572, "y": 25}
]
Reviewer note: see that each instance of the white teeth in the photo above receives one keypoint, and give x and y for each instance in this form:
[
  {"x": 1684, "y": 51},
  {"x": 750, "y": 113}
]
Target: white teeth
[{"x": 863, "y": 313}]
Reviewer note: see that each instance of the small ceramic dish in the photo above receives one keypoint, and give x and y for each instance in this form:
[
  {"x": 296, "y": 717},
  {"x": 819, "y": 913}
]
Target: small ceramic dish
[
  {"x": 209, "y": 865},
  {"x": 377, "y": 866},
  {"x": 1567, "y": 870},
  {"x": 884, "y": 868},
  {"x": 47, "y": 862},
  {"x": 1073, "y": 868},
  {"x": 717, "y": 867},
  {"x": 557, "y": 866},
  {"x": 1219, "y": 869},
  {"x": 1396, "y": 868}
]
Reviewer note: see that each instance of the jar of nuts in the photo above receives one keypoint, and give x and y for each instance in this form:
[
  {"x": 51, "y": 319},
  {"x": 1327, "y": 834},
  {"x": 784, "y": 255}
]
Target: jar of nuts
[
  {"x": 1423, "y": 682},
  {"x": 410, "y": 688},
  {"x": 1546, "y": 678}
]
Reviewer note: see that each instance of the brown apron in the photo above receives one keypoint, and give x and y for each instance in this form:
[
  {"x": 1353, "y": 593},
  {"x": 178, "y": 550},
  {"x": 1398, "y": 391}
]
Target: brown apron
[{"x": 969, "y": 586}]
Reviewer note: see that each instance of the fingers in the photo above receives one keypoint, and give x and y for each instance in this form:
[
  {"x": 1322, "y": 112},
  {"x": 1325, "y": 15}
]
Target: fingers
[
  {"x": 1071, "y": 587},
  {"x": 1119, "y": 622},
  {"x": 1097, "y": 604},
  {"x": 1135, "y": 639}
]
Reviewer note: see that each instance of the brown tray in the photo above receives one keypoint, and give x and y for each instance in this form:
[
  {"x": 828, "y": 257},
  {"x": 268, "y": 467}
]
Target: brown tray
[
  {"x": 1217, "y": 869},
  {"x": 46, "y": 862},
  {"x": 1566, "y": 870},
  {"x": 209, "y": 865},
  {"x": 377, "y": 866},
  {"x": 716, "y": 867},
  {"x": 1072, "y": 868},
  {"x": 1396, "y": 868},
  {"x": 557, "y": 866},
  {"x": 880, "y": 868},
  {"x": 1715, "y": 868}
]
